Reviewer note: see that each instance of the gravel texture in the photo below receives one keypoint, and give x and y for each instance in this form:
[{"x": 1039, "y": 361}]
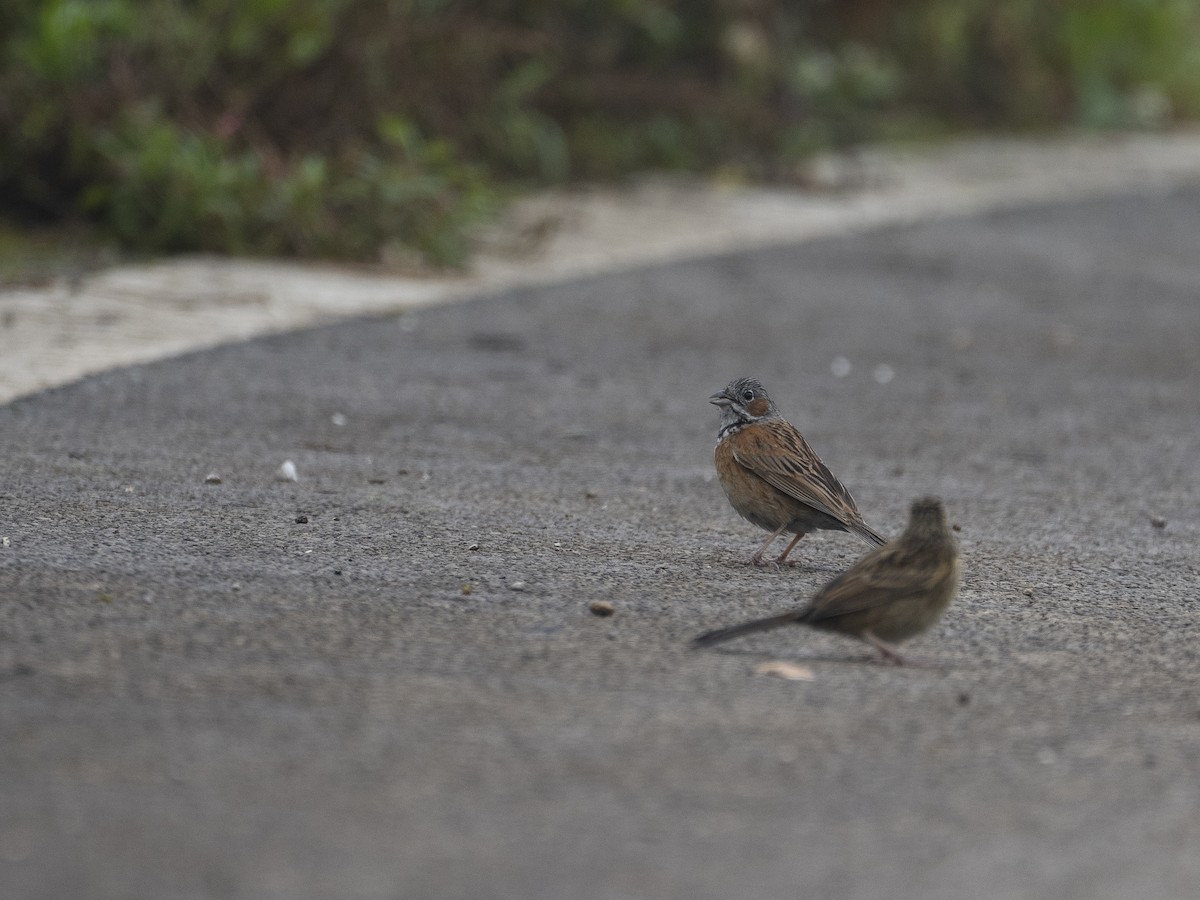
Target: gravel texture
[{"x": 387, "y": 678}]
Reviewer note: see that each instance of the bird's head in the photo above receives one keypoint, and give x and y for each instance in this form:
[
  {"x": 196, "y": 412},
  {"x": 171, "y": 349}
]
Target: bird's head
[{"x": 744, "y": 400}]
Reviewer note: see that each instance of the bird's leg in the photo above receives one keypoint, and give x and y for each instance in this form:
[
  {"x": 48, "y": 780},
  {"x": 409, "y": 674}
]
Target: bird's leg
[
  {"x": 779, "y": 560},
  {"x": 757, "y": 558},
  {"x": 888, "y": 652}
]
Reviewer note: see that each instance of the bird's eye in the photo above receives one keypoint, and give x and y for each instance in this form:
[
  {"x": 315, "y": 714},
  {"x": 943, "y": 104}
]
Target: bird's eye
[{"x": 747, "y": 395}]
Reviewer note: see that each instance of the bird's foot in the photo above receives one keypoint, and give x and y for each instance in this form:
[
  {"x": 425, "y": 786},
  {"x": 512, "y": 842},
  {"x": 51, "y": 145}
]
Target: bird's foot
[
  {"x": 779, "y": 562},
  {"x": 886, "y": 651},
  {"x": 758, "y": 561}
]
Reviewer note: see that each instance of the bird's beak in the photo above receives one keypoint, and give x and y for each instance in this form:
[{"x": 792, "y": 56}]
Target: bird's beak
[{"x": 719, "y": 400}]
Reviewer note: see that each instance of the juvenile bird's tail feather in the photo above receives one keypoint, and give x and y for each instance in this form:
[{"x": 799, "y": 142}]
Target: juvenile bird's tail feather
[{"x": 723, "y": 634}]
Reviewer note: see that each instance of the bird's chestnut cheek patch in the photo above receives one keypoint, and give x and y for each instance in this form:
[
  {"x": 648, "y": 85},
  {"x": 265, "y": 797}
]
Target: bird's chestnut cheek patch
[{"x": 758, "y": 406}]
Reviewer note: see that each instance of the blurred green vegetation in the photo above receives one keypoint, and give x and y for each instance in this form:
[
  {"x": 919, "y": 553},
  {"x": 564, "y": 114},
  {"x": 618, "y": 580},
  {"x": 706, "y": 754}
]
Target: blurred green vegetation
[{"x": 358, "y": 129}]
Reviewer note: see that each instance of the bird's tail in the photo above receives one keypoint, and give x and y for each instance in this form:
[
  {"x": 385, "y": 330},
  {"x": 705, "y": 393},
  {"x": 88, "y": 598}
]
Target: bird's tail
[
  {"x": 723, "y": 634},
  {"x": 868, "y": 534}
]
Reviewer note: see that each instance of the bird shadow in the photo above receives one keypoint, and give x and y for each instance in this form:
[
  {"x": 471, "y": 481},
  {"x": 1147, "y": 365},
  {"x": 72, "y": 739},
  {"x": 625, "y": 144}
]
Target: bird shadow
[
  {"x": 917, "y": 663},
  {"x": 775, "y": 568}
]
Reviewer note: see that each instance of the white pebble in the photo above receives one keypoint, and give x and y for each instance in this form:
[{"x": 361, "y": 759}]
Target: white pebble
[
  {"x": 338, "y": 419},
  {"x": 287, "y": 472}
]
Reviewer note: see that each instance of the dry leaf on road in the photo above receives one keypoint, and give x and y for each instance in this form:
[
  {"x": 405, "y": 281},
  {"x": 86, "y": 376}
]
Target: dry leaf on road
[{"x": 786, "y": 670}]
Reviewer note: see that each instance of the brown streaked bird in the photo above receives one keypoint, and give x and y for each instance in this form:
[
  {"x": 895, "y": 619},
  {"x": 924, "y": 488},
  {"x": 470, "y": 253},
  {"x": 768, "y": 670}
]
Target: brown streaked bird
[
  {"x": 893, "y": 593},
  {"x": 773, "y": 478}
]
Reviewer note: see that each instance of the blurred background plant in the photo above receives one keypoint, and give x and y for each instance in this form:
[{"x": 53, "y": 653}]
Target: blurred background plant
[{"x": 387, "y": 129}]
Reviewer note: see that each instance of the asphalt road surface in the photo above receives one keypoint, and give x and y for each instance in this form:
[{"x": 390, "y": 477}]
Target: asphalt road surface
[{"x": 384, "y": 681}]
